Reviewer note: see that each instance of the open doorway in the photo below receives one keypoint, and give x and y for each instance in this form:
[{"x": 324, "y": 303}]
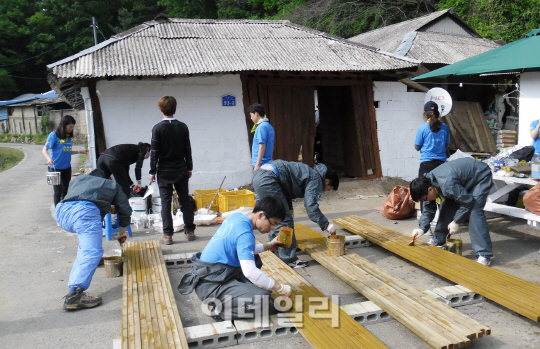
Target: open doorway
[{"x": 345, "y": 133}]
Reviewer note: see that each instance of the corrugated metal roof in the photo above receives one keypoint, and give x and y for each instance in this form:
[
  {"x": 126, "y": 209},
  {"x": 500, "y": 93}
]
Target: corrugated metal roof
[
  {"x": 191, "y": 46},
  {"x": 30, "y": 97},
  {"x": 447, "y": 49},
  {"x": 427, "y": 47}
]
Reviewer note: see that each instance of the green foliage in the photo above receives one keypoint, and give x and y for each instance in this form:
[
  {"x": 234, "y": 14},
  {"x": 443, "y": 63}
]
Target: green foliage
[
  {"x": 9, "y": 157},
  {"x": 36, "y": 139},
  {"x": 45, "y": 124},
  {"x": 498, "y": 19}
]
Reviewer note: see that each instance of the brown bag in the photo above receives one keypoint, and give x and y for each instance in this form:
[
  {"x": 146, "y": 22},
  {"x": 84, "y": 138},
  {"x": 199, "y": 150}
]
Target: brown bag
[
  {"x": 398, "y": 204},
  {"x": 531, "y": 200}
]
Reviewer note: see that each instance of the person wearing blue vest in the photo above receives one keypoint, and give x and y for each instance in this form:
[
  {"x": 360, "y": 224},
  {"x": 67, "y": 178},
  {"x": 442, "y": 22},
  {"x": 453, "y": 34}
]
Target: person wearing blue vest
[
  {"x": 431, "y": 140},
  {"x": 59, "y": 160},
  {"x": 263, "y": 140}
]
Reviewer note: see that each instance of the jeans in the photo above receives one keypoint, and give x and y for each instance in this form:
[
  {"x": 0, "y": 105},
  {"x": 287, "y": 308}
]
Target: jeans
[
  {"x": 266, "y": 183},
  {"x": 61, "y": 189},
  {"x": 84, "y": 219},
  {"x": 180, "y": 183}
]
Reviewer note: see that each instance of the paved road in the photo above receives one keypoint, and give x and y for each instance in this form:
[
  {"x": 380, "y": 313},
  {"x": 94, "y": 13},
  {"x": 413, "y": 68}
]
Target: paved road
[{"x": 37, "y": 256}]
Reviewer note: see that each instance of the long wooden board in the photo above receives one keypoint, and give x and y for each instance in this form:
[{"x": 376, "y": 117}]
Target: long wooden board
[
  {"x": 317, "y": 327},
  {"x": 514, "y": 293},
  {"x": 150, "y": 317},
  {"x": 436, "y": 323}
]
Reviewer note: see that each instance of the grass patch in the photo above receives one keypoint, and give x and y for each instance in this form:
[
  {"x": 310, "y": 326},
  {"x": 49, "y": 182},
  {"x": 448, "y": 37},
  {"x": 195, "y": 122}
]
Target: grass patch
[
  {"x": 9, "y": 157},
  {"x": 30, "y": 139}
]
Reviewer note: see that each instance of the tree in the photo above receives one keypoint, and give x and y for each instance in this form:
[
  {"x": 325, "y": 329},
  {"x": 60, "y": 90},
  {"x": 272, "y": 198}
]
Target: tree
[{"x": 498, "y": 19}]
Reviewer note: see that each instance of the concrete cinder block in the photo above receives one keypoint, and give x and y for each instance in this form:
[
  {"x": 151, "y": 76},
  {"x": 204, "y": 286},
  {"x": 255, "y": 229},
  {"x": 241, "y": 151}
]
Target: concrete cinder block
[
  {"x": 216, "y": 335},
  {"x": 178, "y": 260},
  {"x": 249, "y": 331},
  {"x": 355, "y": 241},
  {"x": 458, "y": 295},
  {"x": 382, "y": 95},
  {"x": 366, "y": 312}
]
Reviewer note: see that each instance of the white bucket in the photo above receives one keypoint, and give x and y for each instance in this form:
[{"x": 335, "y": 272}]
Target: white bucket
[
  {"x": 138, "y": 205},
  {"x": 53, "y": 178},
  {"x": 156, "y": 204}
]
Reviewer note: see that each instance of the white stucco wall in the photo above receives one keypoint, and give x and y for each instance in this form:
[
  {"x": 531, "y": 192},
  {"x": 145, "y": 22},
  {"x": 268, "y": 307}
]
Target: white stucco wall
[
  {"x": 218, "y": 135},
  {"x": 399, "y": 114},
  {"x": 529, "y": 105}
]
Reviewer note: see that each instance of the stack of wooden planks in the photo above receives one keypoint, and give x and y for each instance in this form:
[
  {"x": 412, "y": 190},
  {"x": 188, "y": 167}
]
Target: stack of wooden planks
[
  {"x": 433, "y": 321},
  {"x": 150, "y": 316},
  {"x": 469, "y": 130},
  {"x": 317, "y": 327},
  {"x": 516, "y": 294}
]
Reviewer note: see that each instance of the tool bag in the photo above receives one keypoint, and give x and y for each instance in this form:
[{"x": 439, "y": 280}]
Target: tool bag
[{"x": 399, "y": 204}]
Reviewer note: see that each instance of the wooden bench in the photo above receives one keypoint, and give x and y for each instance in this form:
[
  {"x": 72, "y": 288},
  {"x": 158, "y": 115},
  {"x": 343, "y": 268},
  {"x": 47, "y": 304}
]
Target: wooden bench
[
  {"x": 318, "y": 328},
  {"x": 150, "y": 316},
  {"x": 514, "y": 293},
  {"x": 436, "y": 323}
]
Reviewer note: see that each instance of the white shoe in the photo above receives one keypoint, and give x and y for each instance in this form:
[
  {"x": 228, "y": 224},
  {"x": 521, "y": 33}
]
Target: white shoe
[
  {"x": 483, "y": 260},
  {"x": 428, "y": 233},
  {"x": 298, "y": 264},
  {"x": 432, "y": 242}
]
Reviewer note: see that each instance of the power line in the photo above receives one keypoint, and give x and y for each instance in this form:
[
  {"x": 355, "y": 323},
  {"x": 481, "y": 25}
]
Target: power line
[
  {"x": 24, "y": 77},
  {"x": 54, "y": 48}
]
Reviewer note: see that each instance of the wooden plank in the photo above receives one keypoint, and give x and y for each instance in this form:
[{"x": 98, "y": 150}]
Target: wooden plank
[
  {"x": 512, "y": 292},
  {"x": 475, "y": 129},
  {"x": 436, "y": 323},
  {"x": 153, "y": 326},
  {"x": 125, "y": 306},
  {"x": 319, "y": 331}
]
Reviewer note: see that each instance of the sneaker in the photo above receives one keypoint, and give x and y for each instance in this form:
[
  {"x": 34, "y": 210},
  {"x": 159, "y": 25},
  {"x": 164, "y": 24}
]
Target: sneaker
[
  {"x": 298, "y": 264},
  {"x": 80, "y": 300},
  {"x": 167, "y": 240},
  {"x": 432, "y": 242},
  {"x": 190, "y": 235},
  {"x": 428, "y": 233},
  {"x": 483, "y": 260}
]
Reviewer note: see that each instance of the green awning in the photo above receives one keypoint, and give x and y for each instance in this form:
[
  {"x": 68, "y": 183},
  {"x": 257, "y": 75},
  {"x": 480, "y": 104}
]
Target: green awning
[{"x": 519, "y": 56}]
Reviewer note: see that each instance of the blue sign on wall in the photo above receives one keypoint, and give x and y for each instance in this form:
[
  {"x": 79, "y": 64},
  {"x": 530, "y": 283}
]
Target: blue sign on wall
[{"x": 228, "y": 101}]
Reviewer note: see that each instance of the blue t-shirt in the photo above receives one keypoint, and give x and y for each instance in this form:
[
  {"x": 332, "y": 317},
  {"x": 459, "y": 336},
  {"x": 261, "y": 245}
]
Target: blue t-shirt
[
  {"x": 233, "y": 242},
  {"x": 536, "y": 142},
  {"x": 433, "y": 143},
  {"x": 263, "y": 134},
  {"x": 60, "y": 151}
]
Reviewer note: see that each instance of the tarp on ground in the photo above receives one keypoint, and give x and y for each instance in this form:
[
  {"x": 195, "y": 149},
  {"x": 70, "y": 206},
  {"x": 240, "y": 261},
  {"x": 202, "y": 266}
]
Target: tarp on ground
[{"x": 519, "y": 56}]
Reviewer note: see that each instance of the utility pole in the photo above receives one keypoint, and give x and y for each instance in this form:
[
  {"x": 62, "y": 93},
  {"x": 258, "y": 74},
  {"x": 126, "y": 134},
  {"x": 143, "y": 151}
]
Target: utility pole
[{"x": 94, "y": 26}]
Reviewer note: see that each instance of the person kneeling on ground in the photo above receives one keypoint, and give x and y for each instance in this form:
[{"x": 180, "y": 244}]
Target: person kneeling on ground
[
  {"x": 289, "y": 180},
  {"x": 88, "y": 200},
  {"x": 461, "y": 188},
  {"x": 227, "y": 272}
]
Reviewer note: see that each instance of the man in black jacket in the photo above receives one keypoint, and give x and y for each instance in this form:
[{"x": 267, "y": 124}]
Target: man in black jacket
[
  {"x": 170, "y": 159},
  {"x": 88, "y": 200}
]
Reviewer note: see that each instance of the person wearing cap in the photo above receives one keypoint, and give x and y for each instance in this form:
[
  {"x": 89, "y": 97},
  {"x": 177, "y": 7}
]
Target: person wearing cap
[{"x": 431, "y": 140}]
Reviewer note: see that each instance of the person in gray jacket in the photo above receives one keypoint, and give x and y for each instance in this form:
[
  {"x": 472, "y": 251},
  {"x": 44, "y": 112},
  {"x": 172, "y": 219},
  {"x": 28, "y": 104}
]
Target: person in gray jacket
[
  {"x": 461, "y": 188},
  {"x": 291, "y": 180},
  {"x": 88, "y": 200}
]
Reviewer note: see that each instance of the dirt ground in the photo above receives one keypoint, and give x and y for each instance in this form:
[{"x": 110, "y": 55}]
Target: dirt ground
[{"x": 37, "y": 256}]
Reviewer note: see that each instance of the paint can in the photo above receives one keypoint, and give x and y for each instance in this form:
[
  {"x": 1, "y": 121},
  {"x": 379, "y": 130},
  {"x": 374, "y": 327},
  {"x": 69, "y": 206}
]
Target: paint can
[
  {"x": 285, "y": 236},
  {"x": 336, "y": 245},
  {"x": 454, "y": 246},
  {"x": 156, "y": 204},
  {"x": 113, "y": 266},
  {"x": 138, "y": 205},
  {"x": 53, "y": 178}
]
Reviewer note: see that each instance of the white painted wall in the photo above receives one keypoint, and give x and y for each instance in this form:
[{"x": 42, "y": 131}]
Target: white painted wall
[
  {"x": 398, "y": 116},
  {"x": 529, "y": 105},
  {"x": 218, "y": 135}
]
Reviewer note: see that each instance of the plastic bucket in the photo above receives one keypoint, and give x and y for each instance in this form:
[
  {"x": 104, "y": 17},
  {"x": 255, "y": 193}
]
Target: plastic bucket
[
  {"x": 336, "y": 245},
  {"x": 113, "y": 266},
  {"x": 53, "y": 178},
  {"x": 138, "y": 205},
  {"x": 156, "y": 204}
]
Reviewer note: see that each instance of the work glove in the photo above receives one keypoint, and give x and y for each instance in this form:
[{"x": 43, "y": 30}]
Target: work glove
[
  {"x": 331, "y": 229},
  {"x": 136, "y": 189},
  {"x": 275, "y": 243},
  {"x": 285, "y": 290},
  {"x": 453, "y": 228},
  {"x": 416, "y": 233}
]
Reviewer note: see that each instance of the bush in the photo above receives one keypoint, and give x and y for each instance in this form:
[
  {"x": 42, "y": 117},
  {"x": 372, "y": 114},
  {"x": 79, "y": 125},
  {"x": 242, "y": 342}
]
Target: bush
[{"x": 45, "y": 125}]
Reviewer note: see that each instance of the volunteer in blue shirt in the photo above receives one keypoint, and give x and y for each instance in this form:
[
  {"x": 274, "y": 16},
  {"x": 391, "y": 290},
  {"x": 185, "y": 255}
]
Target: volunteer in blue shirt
[
  {"x": 263, "y": 140},
  {"x": 431, "y": 140},
  {"x": 535, "y": 126},
  {"x": 227, "y": 274},
  {"x": 59, "y": 159}
]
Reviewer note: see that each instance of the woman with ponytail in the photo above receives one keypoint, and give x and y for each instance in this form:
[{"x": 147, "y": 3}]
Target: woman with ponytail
[{"x": 431, "y": 140}]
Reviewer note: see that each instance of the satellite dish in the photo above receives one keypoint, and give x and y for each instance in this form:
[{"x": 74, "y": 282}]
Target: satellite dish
[{"x": 441, "y": 97}]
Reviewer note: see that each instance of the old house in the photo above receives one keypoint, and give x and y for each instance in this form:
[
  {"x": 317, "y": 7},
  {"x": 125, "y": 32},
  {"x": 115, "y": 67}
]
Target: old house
[{"x": 216, "y": 69}]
